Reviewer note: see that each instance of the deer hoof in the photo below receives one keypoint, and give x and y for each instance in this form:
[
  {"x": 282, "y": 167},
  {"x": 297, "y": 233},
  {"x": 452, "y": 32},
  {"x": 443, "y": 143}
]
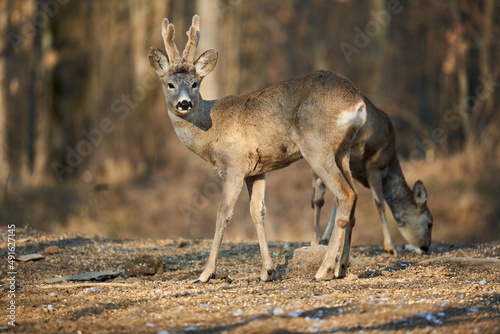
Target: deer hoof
[
  {"x": 266, "y": 275},
  {"x": 391, "y": 250},
  {"x": 204, "y": 278},
  {"x": 322, "y": 274}
]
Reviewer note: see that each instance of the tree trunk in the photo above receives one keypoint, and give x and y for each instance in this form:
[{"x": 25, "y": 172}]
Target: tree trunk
[
  {"x": 209, "y": 12},
  {"x": 461, "y": 70},
  {"x": 4, "y": 166},
  {"x": 379, "y": 51},
  {"x": 483, "y": 110}
]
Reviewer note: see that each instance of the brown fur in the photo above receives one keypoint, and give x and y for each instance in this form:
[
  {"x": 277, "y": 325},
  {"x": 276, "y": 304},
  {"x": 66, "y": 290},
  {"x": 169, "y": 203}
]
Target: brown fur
[
  {"x": 314, "y": 116},
  {"x": 375, "y": 164}
]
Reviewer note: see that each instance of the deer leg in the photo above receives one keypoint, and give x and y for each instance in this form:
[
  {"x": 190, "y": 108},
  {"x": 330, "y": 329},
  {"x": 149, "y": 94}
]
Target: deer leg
[
  {"x": 318, "y": 184},
  {"x": 340, "y": 241},
  {"x": 375, "y": 182},
  {"x": 329, "y": 228},
  {"x": 256, "y": 190},
  {"x": 336, "y": 176},
  {"x": 231, "y": 187},
  {"x": 318, "y": 200}
]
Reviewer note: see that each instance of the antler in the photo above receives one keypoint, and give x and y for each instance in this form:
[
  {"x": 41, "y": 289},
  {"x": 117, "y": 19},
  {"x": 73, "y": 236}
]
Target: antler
[
  {"x": 193, "y": 38},
  {"x": 168, "y": 34}
]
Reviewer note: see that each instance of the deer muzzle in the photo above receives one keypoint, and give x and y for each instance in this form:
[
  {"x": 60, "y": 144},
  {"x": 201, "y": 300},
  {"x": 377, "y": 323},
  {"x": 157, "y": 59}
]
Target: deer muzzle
[{"x": 184, "y": 105}]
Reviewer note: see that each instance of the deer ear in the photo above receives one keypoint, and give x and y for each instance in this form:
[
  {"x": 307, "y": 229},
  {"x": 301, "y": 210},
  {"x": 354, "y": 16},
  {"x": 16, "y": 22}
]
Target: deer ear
[
  {"x": 419, "y": 194},
  {"x": 206, "y": 63},
  {"x": 158, "y": 60}
]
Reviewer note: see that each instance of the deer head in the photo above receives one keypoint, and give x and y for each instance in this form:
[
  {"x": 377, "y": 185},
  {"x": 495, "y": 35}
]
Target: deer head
[
  {"x": 415, "y": 224},
  {"x": 181, "y": 76}
]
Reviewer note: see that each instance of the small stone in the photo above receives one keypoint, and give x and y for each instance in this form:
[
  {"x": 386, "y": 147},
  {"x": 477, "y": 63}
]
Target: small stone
[
  {"x": 351, "y": 277},
  {"x": 145, "y": 265},
  {"x": 294, "y": 313},
  {"x": 276, "y": 311},
  {"x": 305, "y": 261},
  {"x": 182, "y": 243},
  {"x": 51, "y": 250}
]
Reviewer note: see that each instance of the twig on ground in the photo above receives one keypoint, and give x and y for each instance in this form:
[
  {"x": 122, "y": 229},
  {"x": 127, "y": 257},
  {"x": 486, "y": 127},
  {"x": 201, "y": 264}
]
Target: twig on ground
[{"x": 83, "y": 285}]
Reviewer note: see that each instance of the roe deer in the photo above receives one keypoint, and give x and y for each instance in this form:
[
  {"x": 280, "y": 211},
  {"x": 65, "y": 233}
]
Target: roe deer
[
  {"x": 375, "y": 164},
  {"x": 314, "y": 116}
]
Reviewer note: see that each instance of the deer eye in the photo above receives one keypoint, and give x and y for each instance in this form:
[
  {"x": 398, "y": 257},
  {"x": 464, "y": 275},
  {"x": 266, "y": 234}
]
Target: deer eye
[
  {"x": 170, "y": 85},
  {"x": 195, "y": 84}
]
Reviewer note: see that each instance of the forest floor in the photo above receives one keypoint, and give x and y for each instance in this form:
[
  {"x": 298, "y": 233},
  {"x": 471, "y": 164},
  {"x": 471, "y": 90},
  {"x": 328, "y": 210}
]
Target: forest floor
[{"x": 146, "y": 286}]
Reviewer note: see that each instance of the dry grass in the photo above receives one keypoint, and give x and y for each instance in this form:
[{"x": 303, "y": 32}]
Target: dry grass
[{"x": 463, "y": 197}]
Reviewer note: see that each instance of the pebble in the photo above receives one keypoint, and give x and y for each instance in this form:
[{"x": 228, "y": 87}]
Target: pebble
[
  {"x": 305, "y": 261},
  {"x": 317, "y": 297},
  {"x": 276, "y": 311},
  {"x": 145, "y": 265},
  {"x": 351, "y": 277},
  {"x": 51, "y": 250},
  {"x": 182, "y": 243}
]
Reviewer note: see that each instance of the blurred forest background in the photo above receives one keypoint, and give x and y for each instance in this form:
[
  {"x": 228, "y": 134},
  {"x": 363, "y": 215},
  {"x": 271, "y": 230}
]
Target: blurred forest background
[{"x": 86, "y": 144}]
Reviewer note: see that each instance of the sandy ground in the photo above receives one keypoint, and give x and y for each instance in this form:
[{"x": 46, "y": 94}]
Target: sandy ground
[{"x": 453, "y": 289}]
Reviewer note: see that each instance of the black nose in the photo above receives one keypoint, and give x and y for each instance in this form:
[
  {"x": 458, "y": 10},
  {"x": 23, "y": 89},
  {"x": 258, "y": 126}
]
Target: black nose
[
  {"x": 184, "y": 105},
  {"x": 425, "y": 249}
]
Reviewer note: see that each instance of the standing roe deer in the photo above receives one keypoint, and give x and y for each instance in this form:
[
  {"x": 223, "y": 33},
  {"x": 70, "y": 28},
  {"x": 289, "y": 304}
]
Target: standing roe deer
[
  {"x": 314, "y": 116},
  {"x": 375, "y": 164}
]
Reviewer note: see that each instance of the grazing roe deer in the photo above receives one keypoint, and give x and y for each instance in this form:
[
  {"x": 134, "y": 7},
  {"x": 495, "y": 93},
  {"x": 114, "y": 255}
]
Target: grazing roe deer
[
  {"x": 375, "y": 164},
  {"x": 314, "y": 116}
]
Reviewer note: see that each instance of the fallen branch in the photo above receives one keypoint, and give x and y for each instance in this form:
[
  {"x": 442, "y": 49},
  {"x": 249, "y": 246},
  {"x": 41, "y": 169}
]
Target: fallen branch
[{"x": 84, "y": 285}]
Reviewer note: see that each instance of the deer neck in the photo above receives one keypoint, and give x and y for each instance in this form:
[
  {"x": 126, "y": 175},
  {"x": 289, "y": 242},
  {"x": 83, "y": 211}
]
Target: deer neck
[
  {"x": 397, "y": 193},
  {"x": 192, "y": 128}
]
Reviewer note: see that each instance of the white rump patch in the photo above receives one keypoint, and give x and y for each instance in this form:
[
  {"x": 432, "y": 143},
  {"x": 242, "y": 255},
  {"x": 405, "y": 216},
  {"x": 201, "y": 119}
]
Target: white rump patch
[{"x": 356, "y": 117}]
